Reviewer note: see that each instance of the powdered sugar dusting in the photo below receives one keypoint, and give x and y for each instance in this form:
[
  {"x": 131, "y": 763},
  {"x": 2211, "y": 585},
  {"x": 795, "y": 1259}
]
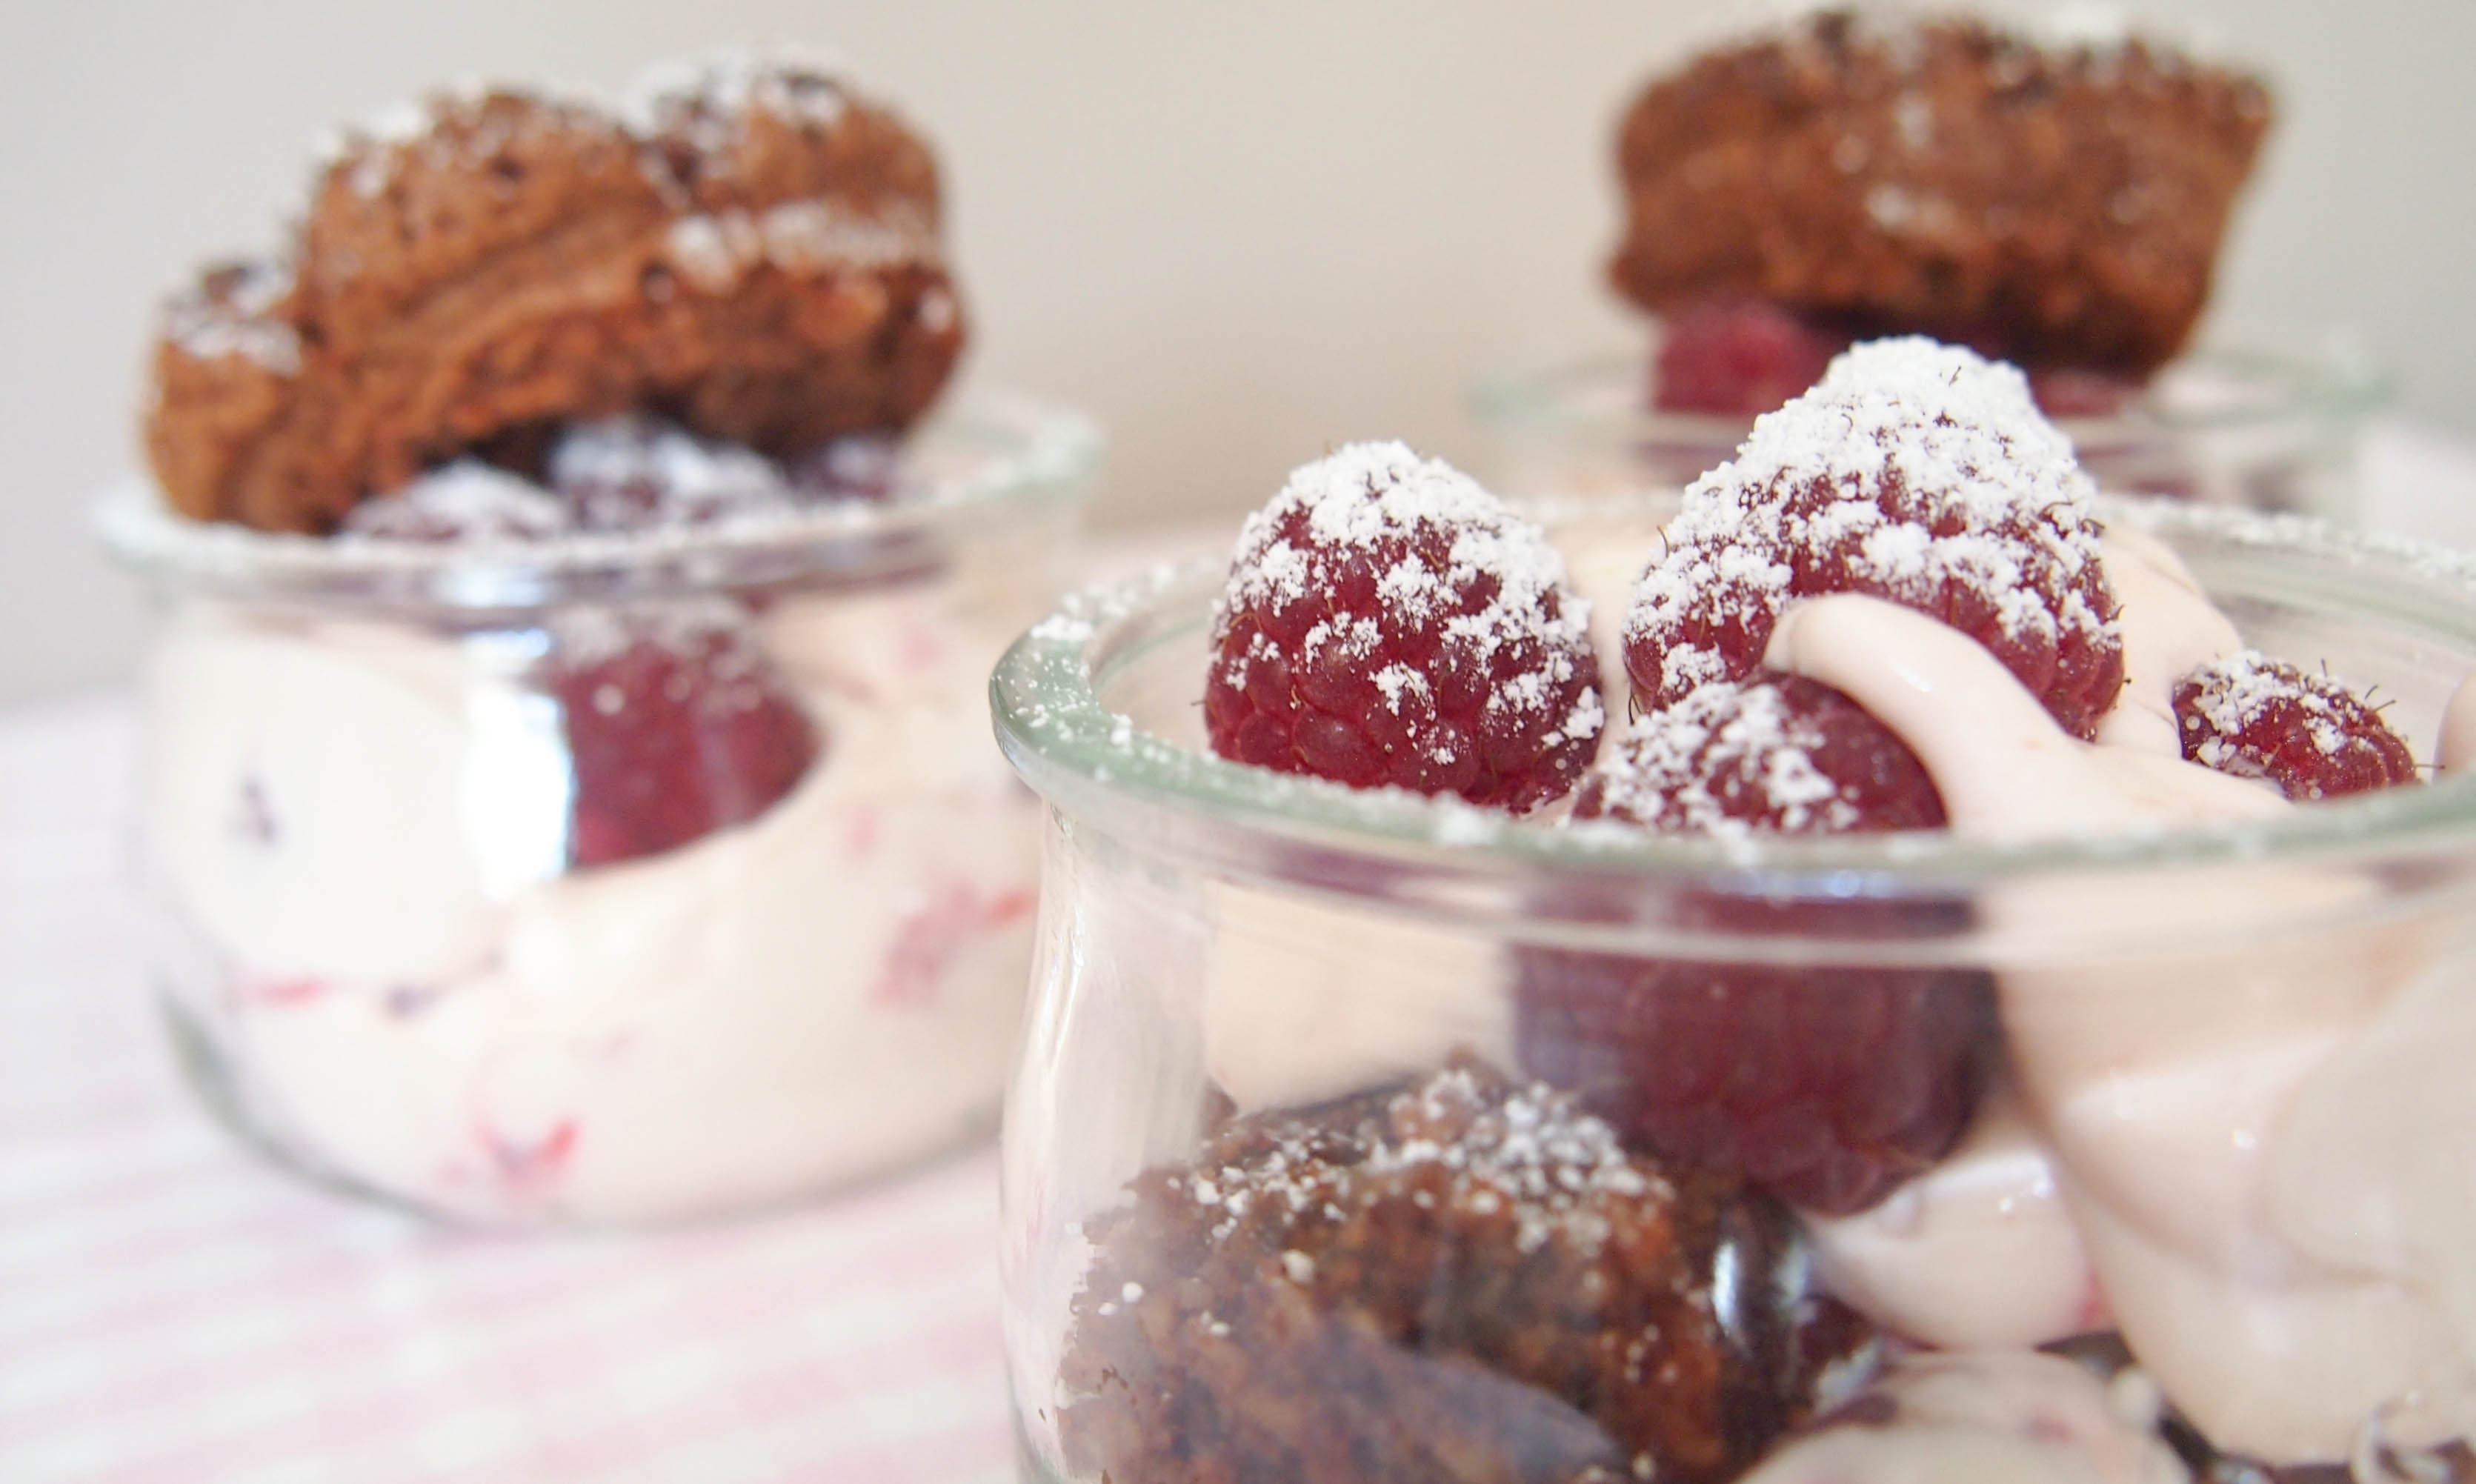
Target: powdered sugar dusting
[
  {"x": 1684, "y": 768},
  {"x": 2253, "y": 716},
  {"x": 714, "y": 250},
  {"x": 2238, "y": 691},
  {"x": 464, "y": 501},
  {"x": 636, "y": 472},
  {"x": 1530, "y": 1152},
  {"x": 455, "y": 127},
  {"x": 631, "y": 474},
  {"x": 234, "y": 312},
  {"x": 1915, "y": 471}
]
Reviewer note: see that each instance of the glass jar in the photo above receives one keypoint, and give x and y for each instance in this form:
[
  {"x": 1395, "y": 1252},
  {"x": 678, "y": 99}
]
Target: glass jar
[
  {"x": 610, "y": 878},
  {"x": 1324, "y": 1157},
  {"x": 2259, "y": 422}
]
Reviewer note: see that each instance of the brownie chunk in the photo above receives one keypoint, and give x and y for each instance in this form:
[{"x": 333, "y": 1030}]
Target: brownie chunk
[
  {"x": 752, "y": 250},
  {"x": 1464, "y": 1279},
  {"x": 2053, "y": 206}
]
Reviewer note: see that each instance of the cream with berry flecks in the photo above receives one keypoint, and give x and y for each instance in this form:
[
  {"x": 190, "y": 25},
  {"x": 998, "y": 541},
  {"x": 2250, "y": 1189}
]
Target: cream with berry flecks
[
  {"x": 365, "y": 833},
  {"x": 2171, "y": 1077}
]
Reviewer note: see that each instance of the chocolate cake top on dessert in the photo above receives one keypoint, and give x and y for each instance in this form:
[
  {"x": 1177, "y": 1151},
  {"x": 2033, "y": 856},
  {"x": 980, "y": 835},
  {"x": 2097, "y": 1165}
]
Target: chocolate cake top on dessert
[
  {"x": 2058, "y": 205},
  {"x": 751, "y": 249}
]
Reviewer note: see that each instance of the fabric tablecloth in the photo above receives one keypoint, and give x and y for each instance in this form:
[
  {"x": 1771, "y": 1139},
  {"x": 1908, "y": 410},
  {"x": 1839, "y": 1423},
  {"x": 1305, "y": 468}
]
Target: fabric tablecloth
[{"x": 172, "y": 1308}]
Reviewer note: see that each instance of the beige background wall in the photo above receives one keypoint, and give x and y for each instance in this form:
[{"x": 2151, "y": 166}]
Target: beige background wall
[{"x": 1237, "y": 232}]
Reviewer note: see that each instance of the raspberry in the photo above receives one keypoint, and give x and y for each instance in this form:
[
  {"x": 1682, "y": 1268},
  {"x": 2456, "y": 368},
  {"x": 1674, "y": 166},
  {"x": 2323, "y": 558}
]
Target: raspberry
[
  {"x": 1915, "y": 472},
  {"x": 677, "y": 725},
  {"x": 1779, "y": 753},
  {"x": 2263, "y": 718},
  {"x": 1829, "y": 1086},
  {"x": 635, "y": 473},
  {"x": 1737, "y": 358},
  {"x": 1388, "y": 621},
  {"x": 641, "y": 474}
]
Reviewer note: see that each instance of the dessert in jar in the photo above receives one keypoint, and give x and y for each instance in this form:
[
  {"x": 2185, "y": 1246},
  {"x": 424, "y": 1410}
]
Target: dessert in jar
[
  {"x": 2054, "y": 197},
  {"x": 568, "y": 796},
  {"x": 1959, "y": 978}
]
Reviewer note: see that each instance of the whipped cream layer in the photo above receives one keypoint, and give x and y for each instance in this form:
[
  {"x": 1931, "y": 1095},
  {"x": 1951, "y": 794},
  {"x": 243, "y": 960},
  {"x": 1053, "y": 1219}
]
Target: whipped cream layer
[
  {"x": 2252, "y": 1088},
  {"x": 359, "y": 826}
]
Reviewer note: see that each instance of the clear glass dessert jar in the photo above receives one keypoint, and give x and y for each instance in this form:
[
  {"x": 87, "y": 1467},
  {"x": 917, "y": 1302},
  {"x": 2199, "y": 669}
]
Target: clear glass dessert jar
[
  {"x": 604, "y": 877},
  {"x": 2261, "y": 421},
  {"x": 1328, "y": 1155}
]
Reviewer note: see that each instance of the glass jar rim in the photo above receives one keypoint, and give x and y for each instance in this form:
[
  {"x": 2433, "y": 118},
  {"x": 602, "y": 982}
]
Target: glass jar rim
[
  {"x": 2288, "y": 377},
  {"x": 1035, "y": 452},
  {"x": 1088, "y": 760}
]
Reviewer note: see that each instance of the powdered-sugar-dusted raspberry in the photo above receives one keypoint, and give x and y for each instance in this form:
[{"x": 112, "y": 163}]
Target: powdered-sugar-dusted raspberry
[
  {"x": 1915, "y": 472},
  {"x": 2258, "y": 717},
  {"x": 640, "y": 474},
  {"x": 635, "y": 473},
  {"x": 676, "y": 724},
  {"x": 1779, "y": 753},
  {"x": 1389, "y": 622},
  {"x": 1829, "y": 1086},
  {"x": 464, "y": 501}
]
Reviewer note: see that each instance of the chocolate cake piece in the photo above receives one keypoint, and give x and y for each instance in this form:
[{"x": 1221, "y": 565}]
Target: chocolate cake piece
[
  {"x": 1463, "y": 1279},
  {"x": 2053, "y": 204},
  {"x": 753, "y": 251}
]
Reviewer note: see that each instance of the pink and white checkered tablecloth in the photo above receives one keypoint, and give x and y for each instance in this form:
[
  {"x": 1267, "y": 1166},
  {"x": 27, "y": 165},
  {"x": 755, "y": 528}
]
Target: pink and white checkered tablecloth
[{"x": 173, "y": 1310}]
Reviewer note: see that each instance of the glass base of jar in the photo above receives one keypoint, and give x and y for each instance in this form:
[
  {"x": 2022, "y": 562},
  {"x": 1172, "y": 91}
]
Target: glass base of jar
[{"x": 220, "y": 1088}]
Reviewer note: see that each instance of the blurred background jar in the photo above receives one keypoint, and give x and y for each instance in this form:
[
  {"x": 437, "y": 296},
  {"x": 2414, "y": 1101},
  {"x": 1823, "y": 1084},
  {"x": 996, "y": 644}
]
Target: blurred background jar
[
  {"x": 612, "y": 876},
  {"x": 2262, "y": 421}
]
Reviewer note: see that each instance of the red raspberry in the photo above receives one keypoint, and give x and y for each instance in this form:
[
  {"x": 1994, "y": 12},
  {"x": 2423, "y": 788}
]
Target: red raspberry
[
  {"x": 1738, "y": 359},
  {"x": 677, "y": 725},
  {"x": 1827, "y": 1085},
  {"x": 1915, "y": 472},
  {"x": 2262, "y": 718},
  {"x": 1780, "y": 754},
  {"x": 1388, "y": 621}
]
